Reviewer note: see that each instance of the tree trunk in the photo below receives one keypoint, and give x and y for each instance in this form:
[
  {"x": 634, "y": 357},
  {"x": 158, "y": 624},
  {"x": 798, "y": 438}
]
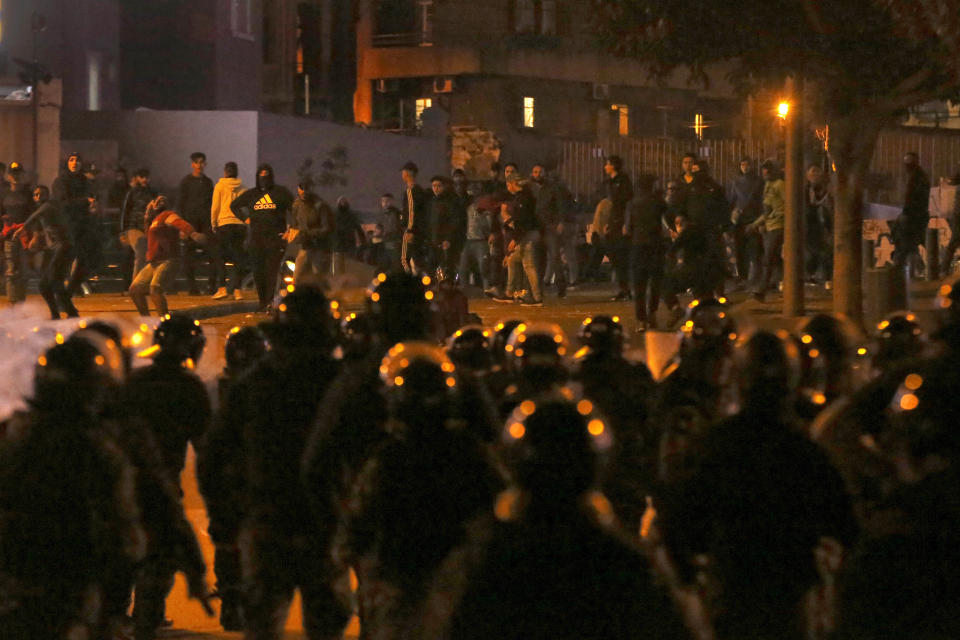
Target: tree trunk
[
  {"x": 852, "y": 141},
  {"x": 847, "y": 246}
]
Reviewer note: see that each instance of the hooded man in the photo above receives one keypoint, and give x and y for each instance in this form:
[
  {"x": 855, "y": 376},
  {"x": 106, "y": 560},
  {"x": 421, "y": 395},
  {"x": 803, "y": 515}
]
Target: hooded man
[
  {"x": 265, "y": 209},
  {"x": 230, "y": 231}
]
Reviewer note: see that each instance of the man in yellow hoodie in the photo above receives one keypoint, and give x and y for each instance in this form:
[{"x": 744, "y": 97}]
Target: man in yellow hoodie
[{"x": 230, "y": 230}]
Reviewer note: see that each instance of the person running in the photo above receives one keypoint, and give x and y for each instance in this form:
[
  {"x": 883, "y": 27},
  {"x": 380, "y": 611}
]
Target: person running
[
  {"x": 57, "y": 252},
  {"x": 160, "y": 272}
]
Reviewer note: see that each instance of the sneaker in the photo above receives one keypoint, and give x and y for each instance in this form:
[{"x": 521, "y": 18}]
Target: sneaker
[
  {"x": 237, "y": 294},
  {"x": 220, "y": 294},
  {"x": 490, "y": 292},
  {"x": 530, "y": 302}
]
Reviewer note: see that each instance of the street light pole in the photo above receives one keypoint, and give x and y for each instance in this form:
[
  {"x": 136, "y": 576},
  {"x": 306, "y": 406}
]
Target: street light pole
[{"x": 793, "y": 266}]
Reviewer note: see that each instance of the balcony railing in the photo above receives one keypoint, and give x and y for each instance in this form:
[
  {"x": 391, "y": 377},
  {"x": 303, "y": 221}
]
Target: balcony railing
[{"x": 422, "y": 36}]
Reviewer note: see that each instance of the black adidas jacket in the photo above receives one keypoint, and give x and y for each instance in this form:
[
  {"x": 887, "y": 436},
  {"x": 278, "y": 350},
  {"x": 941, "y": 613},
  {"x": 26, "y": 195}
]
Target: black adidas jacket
[{"x": 266, "y": 211}]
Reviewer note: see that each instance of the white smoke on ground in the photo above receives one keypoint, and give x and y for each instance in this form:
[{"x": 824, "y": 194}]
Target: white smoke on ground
[{"x": 26, "y": 333}]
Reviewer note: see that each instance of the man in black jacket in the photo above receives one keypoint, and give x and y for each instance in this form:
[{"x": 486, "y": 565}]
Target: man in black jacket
[
  {"x": 644, "y": 227},
  {"x": 446, "y": 225},
  {"x": 413, "y": 251},
  {"x": 133, "y": 224},
  {"x": 911, "y": 225},
  {"x": 620, "y": 192},
  {"x": 553, "y": 259},
  {"x": 57, "y": 254},
  {"x": 72, "y": 190},
  {"x": 193, "y": 203},
  {"x": 746, "y": 202},
  {"x": 265, "y": 209},
  {"x": 522, "y": 250}
]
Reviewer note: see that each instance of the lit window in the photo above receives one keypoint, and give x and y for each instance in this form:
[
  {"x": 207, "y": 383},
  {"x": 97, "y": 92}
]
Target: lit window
[
  {"x": 241, "y": 19},
  {"x": 528, "y": 112},
  {"x": 623, "y": 122},
  {"x": 422, "y": 105}
]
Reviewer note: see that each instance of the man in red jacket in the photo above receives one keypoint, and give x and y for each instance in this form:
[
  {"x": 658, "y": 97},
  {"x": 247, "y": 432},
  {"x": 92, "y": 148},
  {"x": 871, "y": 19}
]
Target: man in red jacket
[{"x": 163, "y": 240}]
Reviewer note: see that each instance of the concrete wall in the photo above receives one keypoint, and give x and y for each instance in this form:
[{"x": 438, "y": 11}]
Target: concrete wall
[
  {"x": 374, "y": 158},
  {"x": 16, "y": 122},
  {"x": 164, "y": 140}
]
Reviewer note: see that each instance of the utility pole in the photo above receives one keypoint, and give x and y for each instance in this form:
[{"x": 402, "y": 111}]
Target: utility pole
[{"x": 793, "y": 264}]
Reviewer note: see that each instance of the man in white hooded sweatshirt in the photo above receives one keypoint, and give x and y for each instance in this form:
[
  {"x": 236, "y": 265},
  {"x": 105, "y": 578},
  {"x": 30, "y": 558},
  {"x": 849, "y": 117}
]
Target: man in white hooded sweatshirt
[{"x": 231, "y": 232}]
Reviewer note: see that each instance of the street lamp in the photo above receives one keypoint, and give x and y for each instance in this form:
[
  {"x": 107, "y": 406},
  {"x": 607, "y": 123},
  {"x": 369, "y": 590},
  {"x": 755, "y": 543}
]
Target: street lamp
[{"x": 783, "y": 109}]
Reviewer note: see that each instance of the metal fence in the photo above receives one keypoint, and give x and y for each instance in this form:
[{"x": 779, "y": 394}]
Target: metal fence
[
  {"x": 581, "y": 163},
  {"x": 938, "y": 151}
]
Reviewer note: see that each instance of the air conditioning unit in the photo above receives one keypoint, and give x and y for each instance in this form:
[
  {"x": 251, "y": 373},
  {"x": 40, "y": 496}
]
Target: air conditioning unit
[
  {"x": 443, "y": 85},
  {"x": 387, "y": 85},
  {"x": 601, "y": 91}
]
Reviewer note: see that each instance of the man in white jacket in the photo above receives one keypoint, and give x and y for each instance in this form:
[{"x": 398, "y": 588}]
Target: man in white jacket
[{"x": 231, "y": 232}]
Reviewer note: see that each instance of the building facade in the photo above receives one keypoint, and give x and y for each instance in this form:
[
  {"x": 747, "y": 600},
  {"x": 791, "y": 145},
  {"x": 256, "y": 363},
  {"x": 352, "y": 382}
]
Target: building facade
[{"x": 517, "y": 74}]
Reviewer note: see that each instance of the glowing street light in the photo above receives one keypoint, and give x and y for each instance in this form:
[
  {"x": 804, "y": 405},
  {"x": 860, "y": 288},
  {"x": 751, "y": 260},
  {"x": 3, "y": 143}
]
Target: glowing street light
[{"x": 783, "y": 109}]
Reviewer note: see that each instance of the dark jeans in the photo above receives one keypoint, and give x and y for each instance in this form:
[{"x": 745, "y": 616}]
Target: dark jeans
[
  {"x": 555, "y": 260},
  {"x": 56, "y": 263},
  {"x": 154, "y": 582},
  {"x": 195, "y": 256},
  {"x": 273, "y": 566},
  {"x": 819, "y": 245},
  {"x": 473, "y": 260},
  {"x": 747, "y": 247},
  {"x": 265, "y": 261},
  {"x": 647, "y": 263},
  {"x": 771, "y": 261},
  {"x": 618, "y": 248},
  {"x": 226, "y": 566},
  {"x": 230, "y": 238},
  {"x": 908, "y": 233},
  {"x": 87, "y": 244},
  {"x": 14, "y": 258}
]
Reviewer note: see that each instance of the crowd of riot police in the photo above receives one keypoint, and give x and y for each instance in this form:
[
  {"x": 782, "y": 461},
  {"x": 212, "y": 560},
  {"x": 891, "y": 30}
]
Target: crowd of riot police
[{"x": 502, "y": 484}]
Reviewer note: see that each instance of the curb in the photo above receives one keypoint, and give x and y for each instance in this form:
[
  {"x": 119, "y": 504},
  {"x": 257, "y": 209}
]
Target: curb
[{"x": 219, "y": 310}]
